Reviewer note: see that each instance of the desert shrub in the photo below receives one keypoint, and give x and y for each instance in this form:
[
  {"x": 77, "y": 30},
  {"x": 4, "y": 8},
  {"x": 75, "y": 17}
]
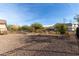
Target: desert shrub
[
  {"x": 12, "y": 27},
  {"x": 9, "y": 27},
  {"x": 61, "y": 28},
  {"x": 36, "y": 27},
  {"x": 26, "y": 28}
]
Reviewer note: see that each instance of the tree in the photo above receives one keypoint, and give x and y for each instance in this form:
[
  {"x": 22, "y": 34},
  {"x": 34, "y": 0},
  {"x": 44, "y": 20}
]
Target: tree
[
  {"x": 12, "y": 27},
  {"x": 26, "y": 28},
  {"x": 37, "y": 27},
  {"x": 61, "y": 28}
]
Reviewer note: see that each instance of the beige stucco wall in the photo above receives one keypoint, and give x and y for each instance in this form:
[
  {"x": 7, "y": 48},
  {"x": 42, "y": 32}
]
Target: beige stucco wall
[{"x": 3, "y": 27}]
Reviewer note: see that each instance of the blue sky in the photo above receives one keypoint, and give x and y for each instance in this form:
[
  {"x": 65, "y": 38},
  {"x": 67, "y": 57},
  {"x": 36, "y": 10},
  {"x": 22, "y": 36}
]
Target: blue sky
[{"x": 45, "y": 13}]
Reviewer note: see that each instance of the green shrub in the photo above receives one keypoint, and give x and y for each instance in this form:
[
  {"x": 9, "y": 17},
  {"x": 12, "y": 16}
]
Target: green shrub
[
  {"x": 61, "y": 28},
  {"x": 26, "y": 28},
  {"x": 12, "y": 27},
  {"x": 36, "y": 27}
]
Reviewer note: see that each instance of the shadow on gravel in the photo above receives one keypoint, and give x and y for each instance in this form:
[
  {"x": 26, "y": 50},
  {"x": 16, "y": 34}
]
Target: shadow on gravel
[
  {"x": 48, "y": 39},
  {"x": 47, "y": 50},
  {"x": 37, "y": 52},
  {"x": 40, "y": 38}
]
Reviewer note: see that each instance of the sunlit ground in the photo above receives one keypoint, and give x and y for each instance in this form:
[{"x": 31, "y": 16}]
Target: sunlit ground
[{"x": 38, "y": 44}]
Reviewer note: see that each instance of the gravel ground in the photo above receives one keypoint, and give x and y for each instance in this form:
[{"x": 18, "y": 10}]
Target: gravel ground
[
  {"x": 18, "y": 45},
  {"x": 10, "y": 42}
]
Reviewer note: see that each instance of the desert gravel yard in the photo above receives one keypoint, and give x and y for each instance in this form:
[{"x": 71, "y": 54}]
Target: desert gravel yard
[
  {"x": 19, "y": 45},
  {"x": 10, "y": 42}
]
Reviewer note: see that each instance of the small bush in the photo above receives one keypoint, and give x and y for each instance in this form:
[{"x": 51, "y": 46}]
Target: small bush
[
  {"x": 61, "y": 28},
  {"x": 36, "y": 27},
  {"x": 12, "y": 27},
  {"x": 26, "y": 28}
]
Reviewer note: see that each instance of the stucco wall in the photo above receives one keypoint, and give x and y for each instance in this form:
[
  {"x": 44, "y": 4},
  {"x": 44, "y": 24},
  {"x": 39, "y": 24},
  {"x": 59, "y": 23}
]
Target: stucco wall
[{"x": 3, "y": 27}]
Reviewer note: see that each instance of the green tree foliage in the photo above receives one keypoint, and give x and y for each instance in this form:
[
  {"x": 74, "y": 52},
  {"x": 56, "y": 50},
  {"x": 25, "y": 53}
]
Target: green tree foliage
[
  {"x": 12, "y": 27},
  {"x": 9, "y": 27},
  {"x": 26, "y": 28},
  {"x": 61, "y": 28},
  {"x": 37, "y": 27}
]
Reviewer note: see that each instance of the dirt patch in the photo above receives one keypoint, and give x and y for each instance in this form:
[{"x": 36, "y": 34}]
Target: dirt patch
[{"x": 39, "y": 45}]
